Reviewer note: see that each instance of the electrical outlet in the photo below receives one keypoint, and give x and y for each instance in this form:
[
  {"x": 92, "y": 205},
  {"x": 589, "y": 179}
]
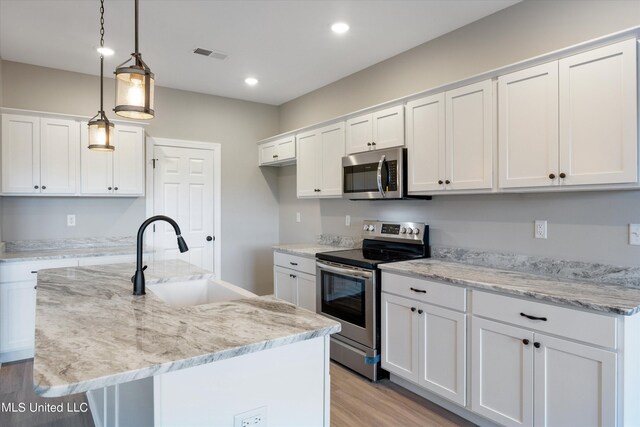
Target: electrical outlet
[
  {"x": 540, "y": 231},
  {"x": 253, "y": 418},
  {"x": 71, "y": 220},
  {"x": 634, "y": 234},
  {"x": 298, "y": 218},
  {"x": 347, "y": 220}
]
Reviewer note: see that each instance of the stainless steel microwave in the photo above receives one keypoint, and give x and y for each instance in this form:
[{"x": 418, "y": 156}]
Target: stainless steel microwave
[{"x": 378, "y": 174}]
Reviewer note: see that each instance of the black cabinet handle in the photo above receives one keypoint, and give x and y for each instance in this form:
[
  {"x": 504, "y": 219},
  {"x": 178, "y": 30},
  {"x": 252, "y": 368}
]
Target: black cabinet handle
[
  {"x": 536, "y": 344},
  {"x": 418, "y": 290},
  {"x": 293, "y": 276},
  {"x": 209, "y": 238},
  {"x": 36, "y": 187},
  {"x": 440, "y": 181},
  {"x": 552, "y": 176},
  {"x": 544, "y": 319},
  {"x": 420, "y": 311},
  {"x": 293, "y": 263},
  {"x": 35, "y": 287},
  {"x": 525, "y": 341},
  {"x": 563, "y": 175},
  {"x": 447, "y": 182},
  {"x": 34, "y": 272},
  {"x": 413, "y": 309}
]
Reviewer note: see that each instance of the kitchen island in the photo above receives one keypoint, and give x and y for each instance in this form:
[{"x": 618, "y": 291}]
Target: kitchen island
[{"x": 173, "y": 357}]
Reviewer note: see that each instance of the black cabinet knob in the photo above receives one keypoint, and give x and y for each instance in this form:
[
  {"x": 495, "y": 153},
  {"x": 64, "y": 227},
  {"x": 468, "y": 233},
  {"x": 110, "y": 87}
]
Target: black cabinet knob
[
  {"x": 373, "y": 143},
  {"x": 413, "y": 309},
  {"x": 44, "y": 187},
  {"x": 109, "y": 188},
  {"x": 563, "y": 175},
  {"x": 525, "y": 341},
  {"x": 552, "y": 176},
  {"x": 116, "y": 188},
  {"x": 447, "y": 182},
  {"x": 440, "y": 181},
  {"x": 36, "y": 187},
  {"x": 368, "y": 144},
  {"x": 536, "y": 344},
  {"x": 420, "y": 311},
  {"x": 209, "y": 238}
]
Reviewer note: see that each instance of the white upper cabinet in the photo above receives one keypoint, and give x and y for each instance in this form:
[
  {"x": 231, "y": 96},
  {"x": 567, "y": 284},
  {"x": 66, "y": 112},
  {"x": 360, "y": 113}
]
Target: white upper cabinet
[
  {"x": 320, "y": 152},
  {"x": 39, "y": 155},
  {"x": 450, "y": 140},
  {"x": 278, "y": 152},
  {"x": 528, "y": 127},
  {"x": 426, "y": 145},
  {"x": 381, "y": 129},
  {"x": 598, "y": 116},
  {"x": 570, "y": 122},
  {"x": 117, "y": 173}
]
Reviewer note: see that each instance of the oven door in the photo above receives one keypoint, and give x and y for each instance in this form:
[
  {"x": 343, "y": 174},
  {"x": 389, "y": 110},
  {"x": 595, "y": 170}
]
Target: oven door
[{"x": 348, "y": 294}]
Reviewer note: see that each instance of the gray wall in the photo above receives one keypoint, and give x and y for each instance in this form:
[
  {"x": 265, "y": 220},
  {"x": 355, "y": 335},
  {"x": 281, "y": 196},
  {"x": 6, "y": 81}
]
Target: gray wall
[
  {"x": 589, "y": 226},
  {"x": 236, "y": 125}
]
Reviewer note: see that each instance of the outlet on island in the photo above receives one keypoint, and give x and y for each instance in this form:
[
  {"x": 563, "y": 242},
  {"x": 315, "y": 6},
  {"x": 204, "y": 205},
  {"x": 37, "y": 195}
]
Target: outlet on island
[{"x": 254, "y": 418}]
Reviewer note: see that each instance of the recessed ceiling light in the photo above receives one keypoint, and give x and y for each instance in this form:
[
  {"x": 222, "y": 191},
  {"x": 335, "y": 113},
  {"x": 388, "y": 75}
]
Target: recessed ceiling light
[
  {"x": 251, "y": 81},
  {"x": 340, "y": 27},
  {"x": 105, "y": 51}
]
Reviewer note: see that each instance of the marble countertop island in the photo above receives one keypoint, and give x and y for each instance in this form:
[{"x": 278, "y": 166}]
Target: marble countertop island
[
  {"x": 67, "y": 248},
  {"x": 92, "y": 332},
  {"x": 601, "y": 297}
]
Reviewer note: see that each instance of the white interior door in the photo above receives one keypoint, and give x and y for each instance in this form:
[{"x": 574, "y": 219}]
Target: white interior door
[{"x": 184, "y": 190}]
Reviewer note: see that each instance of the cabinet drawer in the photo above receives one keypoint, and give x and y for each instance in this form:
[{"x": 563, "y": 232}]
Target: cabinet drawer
[
  {"x": 425, "y": 290},
  {"x": 19, "y": 271},
  {"x": 305, "y": 265},
  {"x": 592, "y": 328}
]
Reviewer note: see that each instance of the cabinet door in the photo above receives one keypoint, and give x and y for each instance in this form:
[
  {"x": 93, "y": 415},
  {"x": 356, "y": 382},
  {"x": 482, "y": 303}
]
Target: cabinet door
[
  {"x": 128, "y": 161},
  {"x": 20, "y": 154},
  {"x": 598, "y": 116},
  {"x": 469, "y": 137},
  {"x": 284, "y": 285},
  {"x": 400, "y": 351},
  {"x": 388, "y": 127},
  {"x": 443, "y": 352},
  {"x": 286, "y": 148},
  {"x": 96, "y": 167},
  {"x": 59, "y": 156},
  {"x": 359, "y": 134},
  {"x": 575, "y": 384},
  {"x": 528, "y": 127},
  {"x": 332, "y": 144},
  {"x": 268, "y": 153},
  {"x": 426, "y": 144},
  {"x": 502, "y": 372},
  {"x": 17, "y": 316},
  {"x": 309, "y": 164},
  {"x": 306, "y": 285}
]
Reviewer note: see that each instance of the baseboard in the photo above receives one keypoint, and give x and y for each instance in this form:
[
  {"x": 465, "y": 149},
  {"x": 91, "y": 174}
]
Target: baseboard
[
  {"x": 14, "y": 356},
  {"x": 444, "y": 403}
]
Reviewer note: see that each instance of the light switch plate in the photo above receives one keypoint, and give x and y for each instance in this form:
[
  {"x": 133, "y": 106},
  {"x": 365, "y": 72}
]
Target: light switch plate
[
  {"x": 71, "y": 220},
  {"x": 298, "y": 219},
  {"x": 347, "y": 220},
  {"x": 634, "y": 234}
]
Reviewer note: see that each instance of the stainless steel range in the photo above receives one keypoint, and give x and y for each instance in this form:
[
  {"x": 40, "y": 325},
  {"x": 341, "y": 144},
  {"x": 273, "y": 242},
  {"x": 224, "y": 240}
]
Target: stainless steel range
[{"x": 348, "y": 287}]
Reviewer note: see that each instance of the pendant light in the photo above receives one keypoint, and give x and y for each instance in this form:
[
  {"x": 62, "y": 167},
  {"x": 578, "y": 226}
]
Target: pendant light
[
  {"x": 100, "y": 128},
  {"x": 134, "y": 85}
]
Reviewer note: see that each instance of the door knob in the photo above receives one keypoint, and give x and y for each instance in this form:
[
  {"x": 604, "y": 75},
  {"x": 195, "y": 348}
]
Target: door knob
[{"x": 209, "y": 238}]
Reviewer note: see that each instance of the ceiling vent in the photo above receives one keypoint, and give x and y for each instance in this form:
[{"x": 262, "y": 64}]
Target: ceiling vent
[{"x": 215, "y": 54}]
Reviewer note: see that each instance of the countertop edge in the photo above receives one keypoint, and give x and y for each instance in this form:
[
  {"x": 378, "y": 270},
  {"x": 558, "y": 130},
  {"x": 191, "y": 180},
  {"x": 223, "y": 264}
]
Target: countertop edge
[
  {"x": 119, "y": 378},
  {"x": 510, "y": 291}
]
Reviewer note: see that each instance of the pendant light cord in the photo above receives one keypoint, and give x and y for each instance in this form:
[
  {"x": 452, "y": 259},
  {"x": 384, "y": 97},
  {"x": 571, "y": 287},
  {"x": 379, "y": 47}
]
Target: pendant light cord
[
  {"x": 136, "y": 26},
  {"x": 101, "y": 57}
]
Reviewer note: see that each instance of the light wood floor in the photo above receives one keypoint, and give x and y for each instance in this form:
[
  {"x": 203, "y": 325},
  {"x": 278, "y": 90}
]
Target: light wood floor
[
  {"x": 16, "y": 386},
  {"x": 355, "y": 402}
]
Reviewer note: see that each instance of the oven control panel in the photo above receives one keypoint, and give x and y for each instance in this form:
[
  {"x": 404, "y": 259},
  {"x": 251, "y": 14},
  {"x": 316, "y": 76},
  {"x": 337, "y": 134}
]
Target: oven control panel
[{"x": 404, "y": 231}]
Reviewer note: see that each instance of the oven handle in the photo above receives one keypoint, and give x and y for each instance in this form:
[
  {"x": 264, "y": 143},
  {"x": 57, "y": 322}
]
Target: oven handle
[
  {"x": 345, "y": 271},
  {"x": 380, "y": 163}
]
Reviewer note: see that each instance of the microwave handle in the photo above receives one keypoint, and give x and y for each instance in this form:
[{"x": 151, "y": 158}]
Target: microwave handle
[{"x": 380, "y": 163}]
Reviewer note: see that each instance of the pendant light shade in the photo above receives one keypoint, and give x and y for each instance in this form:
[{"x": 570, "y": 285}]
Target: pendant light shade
[
  {"x": 100, "y": 128},
  {"x": 134, "y": 85}
]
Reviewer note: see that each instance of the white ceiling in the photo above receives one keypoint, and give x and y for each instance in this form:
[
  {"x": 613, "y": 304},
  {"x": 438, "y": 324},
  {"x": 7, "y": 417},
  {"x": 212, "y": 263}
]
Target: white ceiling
[{"x": 287, "y": 45}]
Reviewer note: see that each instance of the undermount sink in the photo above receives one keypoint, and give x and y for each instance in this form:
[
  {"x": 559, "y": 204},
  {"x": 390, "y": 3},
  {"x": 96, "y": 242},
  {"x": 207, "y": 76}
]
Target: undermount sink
[{"x": 197, "y": 292}]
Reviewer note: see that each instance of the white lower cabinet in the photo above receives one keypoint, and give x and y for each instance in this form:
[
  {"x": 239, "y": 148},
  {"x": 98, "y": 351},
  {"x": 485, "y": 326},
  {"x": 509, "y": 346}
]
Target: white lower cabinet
[
  {"x": 521, "y": 377},
  {"x": 293, "y": 281},
  {"x": 422, "y": 342}
]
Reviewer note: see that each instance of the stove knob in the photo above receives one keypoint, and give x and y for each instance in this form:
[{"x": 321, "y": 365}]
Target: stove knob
[
  {"x": 403, "y": 230},
  {"x": 416, "y": 231},
  {"x": 409, "y": 230},
  {"x": 371, "y": 228}
]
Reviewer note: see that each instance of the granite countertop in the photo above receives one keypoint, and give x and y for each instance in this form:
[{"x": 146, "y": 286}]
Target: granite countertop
[
  {"x": 36, "y": 250},
  {"x": 601, "y": 297},
  {"x": 91, "y": 331},
  {"x": 308, "y": 250}
]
